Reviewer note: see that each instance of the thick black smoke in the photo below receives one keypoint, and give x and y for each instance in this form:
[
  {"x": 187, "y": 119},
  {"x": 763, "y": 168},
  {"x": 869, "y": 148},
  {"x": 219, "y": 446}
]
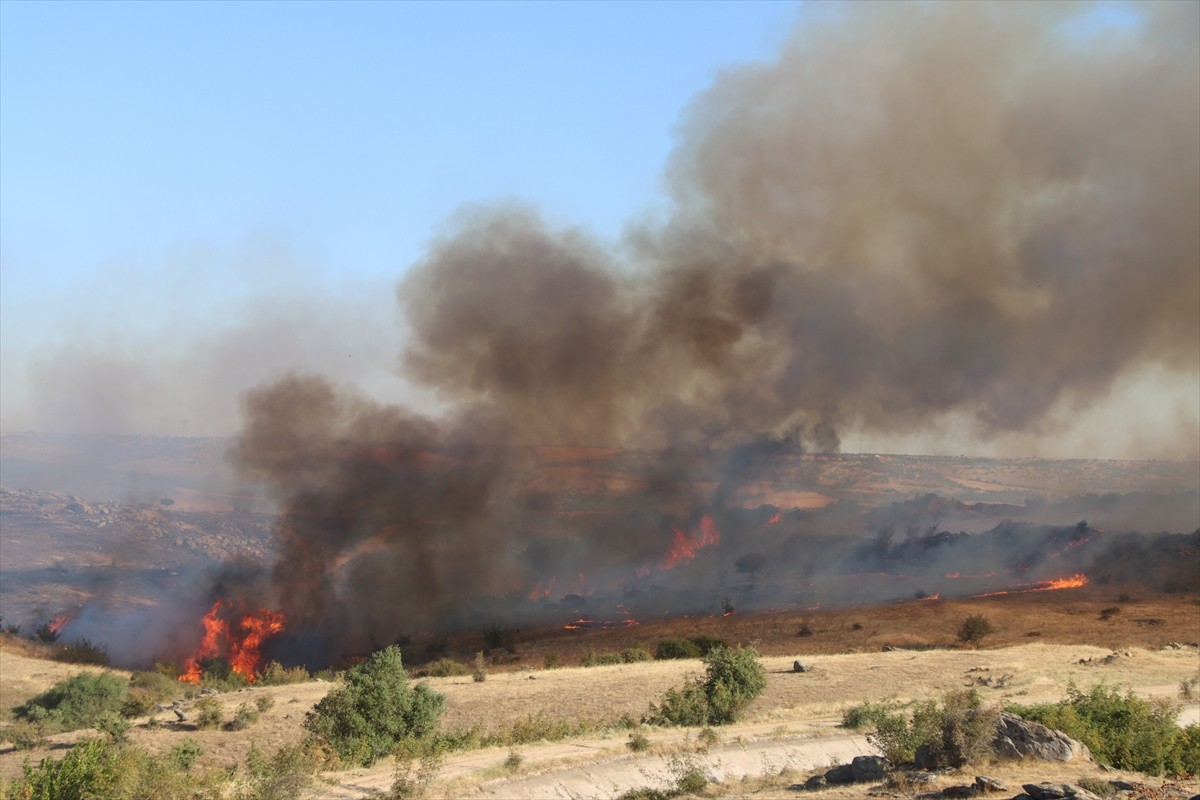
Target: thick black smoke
[{"x": 915, "y": 211}]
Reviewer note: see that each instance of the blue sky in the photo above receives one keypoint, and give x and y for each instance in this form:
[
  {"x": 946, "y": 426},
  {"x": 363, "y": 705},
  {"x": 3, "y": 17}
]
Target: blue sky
[
  {"x": 167, "y": 164},
  {"x": 133, "y": 132}
]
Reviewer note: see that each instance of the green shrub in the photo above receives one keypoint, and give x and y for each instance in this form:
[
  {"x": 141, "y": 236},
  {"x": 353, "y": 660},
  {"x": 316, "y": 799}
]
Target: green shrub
[
  {"x": 146, "y": 690},
  {"x": 593, "y": 659},
  {"x": 480, "y": 673},
  {"x": 77, "y": 702},
  {"x": 264, "y": 703},
  {"x": 374, "y": 710},
  {"x": 444, "y": 668},
  {"x": 245, "y": 716},
  {"x": 1123, "y": 731},
  {"x": 638, "y": 741},
  {"x": 550, "y": 661},
  {"x": 414, "y": 773},
  {"x": 960, "y": 731},
  {"x": 283, "y": 776},
  {"x": 88, "y": 771},
  {"x": 732, "y": 679},
  {"x": 864, "y": 715},
  {"x": 896, "y": 737},
  {"x": 514, "y": 761},
  {"x": 973, "y": 629},
  {"x": 275, "y": 674},
  {"x": 25, "y": 735},
  {"x": 183, "y": 756},
  {"x": 114, "y": 726},
  {"x": 209, "y": 713},
  {"x": 676, "y": 647},
  {"x": 635, "y": 654},
  {"x": 707, "y": 644}
]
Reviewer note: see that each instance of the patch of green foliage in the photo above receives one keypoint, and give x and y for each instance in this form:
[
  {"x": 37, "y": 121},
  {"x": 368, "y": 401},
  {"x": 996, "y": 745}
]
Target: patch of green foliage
[
  {"x": 98, "y": 768},
  {"x": 690, "y": 647},
  {"x": 1123, "y": 730},
  {"x": 630, "y": 655},
  {"x": 77, "y": 702},
  {"x": 957, "y": 732},
  {"x": 209, "y": 713},
  {"x": 283, "y": 776},
  {"x": 732, "y": 679},
  {"x": 374, "y": 710},
  {"x": 275, "y": 674}
]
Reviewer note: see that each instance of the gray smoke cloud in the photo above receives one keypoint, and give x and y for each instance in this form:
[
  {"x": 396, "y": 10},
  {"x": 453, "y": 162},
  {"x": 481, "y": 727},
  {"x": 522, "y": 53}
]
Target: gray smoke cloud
[{"x": 914, "y": 211}]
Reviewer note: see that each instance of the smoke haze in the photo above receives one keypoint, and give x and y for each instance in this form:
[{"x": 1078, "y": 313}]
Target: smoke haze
[{"x": 917, "y": 213}]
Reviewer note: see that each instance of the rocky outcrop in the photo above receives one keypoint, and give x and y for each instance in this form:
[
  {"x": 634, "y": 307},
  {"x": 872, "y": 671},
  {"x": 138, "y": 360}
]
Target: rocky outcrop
[
  {"x": 1017, "y": 738},
  {"x": 860, "y": 770}
]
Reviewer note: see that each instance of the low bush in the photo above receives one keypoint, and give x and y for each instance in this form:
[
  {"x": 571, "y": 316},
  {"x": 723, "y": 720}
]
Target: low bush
[
  {"x": 732, "y": 679},
  {"x": 209, "y": 713},
  {"x": 443, "y": 668},
  {"x": 374, "y": 710},
  {"x": 1123, "y": 730},
  {"x": 972, "y": 629},
  {"x": 245, "y": 716},
  {"x": 638, "y": 741},
  {"x": 594, "y": 659},
  {"x": 77, "y": 702},
  {"x": 676, "y": 647},
  {"x": 283, "y": 776},
  {"x": 957, "y": 732},
  {"x": 275, "y": 674},
  {"x": 98, "y": 768},
  {"x": 691, "y": 647},
  {"x": 479, "y": 674}
]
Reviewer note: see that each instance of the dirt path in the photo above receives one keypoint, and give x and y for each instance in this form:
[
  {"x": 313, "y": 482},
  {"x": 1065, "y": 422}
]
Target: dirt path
[{"x": 605, "y": 768}]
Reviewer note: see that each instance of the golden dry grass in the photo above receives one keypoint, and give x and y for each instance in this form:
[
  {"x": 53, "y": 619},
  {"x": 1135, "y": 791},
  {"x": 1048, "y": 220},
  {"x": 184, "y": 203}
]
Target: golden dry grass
[{"x": 845, "y": 650}]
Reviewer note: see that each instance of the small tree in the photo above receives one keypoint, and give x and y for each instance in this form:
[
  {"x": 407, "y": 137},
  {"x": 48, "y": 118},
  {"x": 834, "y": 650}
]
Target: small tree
[
  {"x": 974, "y": 628},
  {"x": 375, "y": 710}
]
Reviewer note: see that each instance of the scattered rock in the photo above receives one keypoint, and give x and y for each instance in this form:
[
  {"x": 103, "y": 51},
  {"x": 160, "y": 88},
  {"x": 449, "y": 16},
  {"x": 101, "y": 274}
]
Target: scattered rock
[
  {"x": 959, "y": 791},
  {"x": 816, "y": 782},
  {"x": 797, "y": 666},
  {"x": 1057, "y": 791},
  {"x": 860, "y": 770},
  {"x": 985, "y": 784},
  {"x": 1017, "y": 739}
]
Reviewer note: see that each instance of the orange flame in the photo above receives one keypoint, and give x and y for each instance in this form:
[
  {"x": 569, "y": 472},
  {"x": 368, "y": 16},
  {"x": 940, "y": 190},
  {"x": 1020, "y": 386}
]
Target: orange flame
[
  {"x": 775, "y": 519},
  {"x": 242, "y": 642},
  {"x": 1069, "y": 582},
  {"x": 539, "y": 593},
  {"x": 58, "y": 623},
  {"x": 684, "y": 546}
]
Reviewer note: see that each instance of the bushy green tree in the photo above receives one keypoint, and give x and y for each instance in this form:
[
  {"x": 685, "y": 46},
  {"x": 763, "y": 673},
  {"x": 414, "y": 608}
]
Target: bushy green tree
[{"x": 374, "y": 710}]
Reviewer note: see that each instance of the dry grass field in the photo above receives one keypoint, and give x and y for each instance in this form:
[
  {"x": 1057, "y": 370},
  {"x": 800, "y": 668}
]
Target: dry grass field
[{"x": 1043, "y": 643}]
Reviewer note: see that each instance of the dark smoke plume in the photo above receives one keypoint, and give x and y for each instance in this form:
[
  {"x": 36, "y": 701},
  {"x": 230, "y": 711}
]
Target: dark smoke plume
[{"x": 915, "y": 211}]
